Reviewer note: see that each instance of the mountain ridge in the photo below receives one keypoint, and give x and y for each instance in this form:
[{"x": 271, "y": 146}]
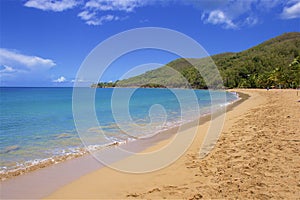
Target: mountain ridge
[{"x": 272, "y": 63}]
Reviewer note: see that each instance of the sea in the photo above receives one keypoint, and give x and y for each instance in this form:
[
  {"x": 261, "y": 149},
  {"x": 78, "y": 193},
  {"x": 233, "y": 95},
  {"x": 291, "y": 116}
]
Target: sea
[{"x": 37, "y": 124}]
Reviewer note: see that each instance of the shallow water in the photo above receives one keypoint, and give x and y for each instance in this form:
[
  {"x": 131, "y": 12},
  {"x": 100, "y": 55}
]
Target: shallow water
[{"x": 37, "y": 124}]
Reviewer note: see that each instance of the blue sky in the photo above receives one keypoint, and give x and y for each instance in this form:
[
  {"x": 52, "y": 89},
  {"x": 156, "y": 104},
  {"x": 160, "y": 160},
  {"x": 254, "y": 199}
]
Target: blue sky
[{"x": 44, "y": 42}]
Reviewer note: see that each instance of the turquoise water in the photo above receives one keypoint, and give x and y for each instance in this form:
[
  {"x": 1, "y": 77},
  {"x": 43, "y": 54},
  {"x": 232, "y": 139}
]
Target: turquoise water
[{"x": 37, "y": 123}]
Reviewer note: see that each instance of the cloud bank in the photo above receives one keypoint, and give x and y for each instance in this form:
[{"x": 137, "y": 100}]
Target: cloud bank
[
  {"x": 14, "y": 63},
  {"x": 50, "y": 5},
  {"x": 229, "y": 14},
  {"x": 10, "y": 57}
]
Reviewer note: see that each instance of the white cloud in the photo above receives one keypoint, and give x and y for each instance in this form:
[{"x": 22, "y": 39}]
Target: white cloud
[
  {"x": 97, "y": 12},
  {"x": 291, "y": 11},
  {"x": 86, "y": 15},
  {"x": 14, "y": 65},
  {"x": 115, "y": 5},
  {"x": 251, "y": 21},
  {"x": 79, "y": 80},
  {"x": 230, "y": 14},
  {"x": 8, "y": 57},
  {"x": 265, "y": 5},
  {"x": 236, "y": 14},
  {"x": 60, "y": 80},
  {"x": 218, "y": 17},
  {"x": 52, "y": 5},
  {"x": 7, "y": 69},
  {"x": 102, "y": 19}
]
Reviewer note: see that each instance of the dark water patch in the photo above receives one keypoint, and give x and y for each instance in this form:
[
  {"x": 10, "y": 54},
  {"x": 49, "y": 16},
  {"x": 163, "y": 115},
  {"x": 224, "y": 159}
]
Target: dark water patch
[
  {"x": 63, "y": 136},
  {"x": 10, "y": 149}
]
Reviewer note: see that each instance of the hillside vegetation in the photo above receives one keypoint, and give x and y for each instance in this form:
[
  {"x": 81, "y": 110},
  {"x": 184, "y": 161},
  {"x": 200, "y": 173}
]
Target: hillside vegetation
[{"x": 274, "y": 63}]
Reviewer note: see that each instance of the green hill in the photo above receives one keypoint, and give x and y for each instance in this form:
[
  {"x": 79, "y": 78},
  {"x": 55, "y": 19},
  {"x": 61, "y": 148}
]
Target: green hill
[{"x": 274, "y": 63}]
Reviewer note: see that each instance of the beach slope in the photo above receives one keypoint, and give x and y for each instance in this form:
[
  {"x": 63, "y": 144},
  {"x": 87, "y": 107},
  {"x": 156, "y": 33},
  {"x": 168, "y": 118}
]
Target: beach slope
[{"x": 257, "y": 156}]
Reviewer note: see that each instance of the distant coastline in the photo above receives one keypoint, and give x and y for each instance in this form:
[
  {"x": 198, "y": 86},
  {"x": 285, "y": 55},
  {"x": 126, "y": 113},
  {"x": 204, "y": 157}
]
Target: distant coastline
[{"x": 274, "y": 63}]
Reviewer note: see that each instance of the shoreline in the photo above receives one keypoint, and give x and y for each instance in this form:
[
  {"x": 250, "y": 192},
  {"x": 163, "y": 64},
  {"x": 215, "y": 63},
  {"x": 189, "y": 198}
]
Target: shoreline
[
  {"x": 33, "y": 165},
  {"x": 158, "y": 141},
  {"x": 257, "y": 156},
  {"x": 136, "y": 146}
]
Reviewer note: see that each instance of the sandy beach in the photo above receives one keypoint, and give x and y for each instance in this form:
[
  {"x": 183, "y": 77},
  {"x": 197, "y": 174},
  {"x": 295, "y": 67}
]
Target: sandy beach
[{"x": 257, "y": 156}]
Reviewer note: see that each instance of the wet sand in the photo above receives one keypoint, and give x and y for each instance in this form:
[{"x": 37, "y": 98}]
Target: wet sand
[
  {"x": 48, "y": 177},
  {"x": 257, "y": 156}
]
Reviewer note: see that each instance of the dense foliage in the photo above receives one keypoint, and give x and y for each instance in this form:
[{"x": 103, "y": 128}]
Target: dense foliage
[
  {"x": 270, "y": 64},
  {"x": 274, "y": 63},
  {"x": 104, "y": 85}
]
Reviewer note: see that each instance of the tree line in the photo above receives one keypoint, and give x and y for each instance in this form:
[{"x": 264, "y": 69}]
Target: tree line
[{"x": 274, "y": 64}]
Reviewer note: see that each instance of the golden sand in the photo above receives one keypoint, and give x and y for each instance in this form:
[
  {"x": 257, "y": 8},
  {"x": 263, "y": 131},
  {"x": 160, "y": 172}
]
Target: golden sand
[{"x": 257, "y": 156}]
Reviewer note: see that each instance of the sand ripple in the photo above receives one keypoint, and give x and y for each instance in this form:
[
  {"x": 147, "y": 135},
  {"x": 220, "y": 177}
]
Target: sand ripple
[{"x": 256, "y": 158}]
